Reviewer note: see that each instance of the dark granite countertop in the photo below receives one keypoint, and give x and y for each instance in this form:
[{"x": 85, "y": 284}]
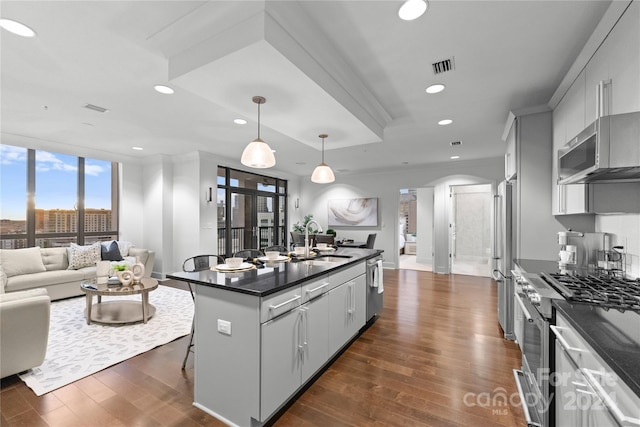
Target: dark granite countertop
[
  {"x": 269, "y": 279},
  {"x": 614, "y": 335}
]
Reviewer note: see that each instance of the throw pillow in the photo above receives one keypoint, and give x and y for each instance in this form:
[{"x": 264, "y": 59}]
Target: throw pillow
[
  {"x": 111, "y": 252},
  {"x": 83, "y": 256},
  {"x": 21, "y": 261}
]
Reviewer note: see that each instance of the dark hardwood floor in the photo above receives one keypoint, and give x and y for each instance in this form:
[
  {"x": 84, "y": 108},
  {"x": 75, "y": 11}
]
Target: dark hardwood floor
[{"x": 435, "y": 357}]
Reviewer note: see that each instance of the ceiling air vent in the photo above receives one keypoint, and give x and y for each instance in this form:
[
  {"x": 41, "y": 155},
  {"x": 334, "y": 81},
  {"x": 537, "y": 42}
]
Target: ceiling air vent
[
  {"x": 455, "y": 143},
  {"x": 443, "y": 66},
  {"x": 96, "y": 108}
]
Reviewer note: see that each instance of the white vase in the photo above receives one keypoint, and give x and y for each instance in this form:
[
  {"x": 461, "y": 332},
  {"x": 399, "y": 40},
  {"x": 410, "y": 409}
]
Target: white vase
[
  {"x": 138, "y": 270},
  {"x": 125, "y": 277}
]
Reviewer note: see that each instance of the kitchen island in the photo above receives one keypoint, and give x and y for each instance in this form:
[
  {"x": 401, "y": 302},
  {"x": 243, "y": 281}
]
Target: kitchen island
[{"x": 263, "y": 334}]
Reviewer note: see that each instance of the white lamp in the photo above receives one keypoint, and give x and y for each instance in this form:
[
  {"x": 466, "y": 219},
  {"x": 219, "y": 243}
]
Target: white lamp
[
  {"x": 323, "y": 174},
  {"x": 258, "y": 154}
]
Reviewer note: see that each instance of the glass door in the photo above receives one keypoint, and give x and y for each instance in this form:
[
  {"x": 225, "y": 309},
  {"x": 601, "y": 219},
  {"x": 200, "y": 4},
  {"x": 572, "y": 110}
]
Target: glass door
[{"x": 251, "y": 211}]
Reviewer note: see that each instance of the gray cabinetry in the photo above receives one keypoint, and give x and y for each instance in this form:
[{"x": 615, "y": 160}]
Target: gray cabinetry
[
  {"x": 294, "y": 346},
  {"x": 608, "y": 84},
  {"x": 280, "y": 365},
  {"x": 588, "y": 393}
]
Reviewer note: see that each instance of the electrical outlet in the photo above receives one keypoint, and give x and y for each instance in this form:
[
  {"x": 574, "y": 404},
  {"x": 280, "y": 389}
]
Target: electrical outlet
[{"x": 224, "y": 327}]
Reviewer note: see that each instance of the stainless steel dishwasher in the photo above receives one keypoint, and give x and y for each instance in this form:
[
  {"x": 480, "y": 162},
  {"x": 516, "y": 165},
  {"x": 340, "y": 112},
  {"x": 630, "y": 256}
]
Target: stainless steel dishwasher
[{"x": 374, "y": 286}]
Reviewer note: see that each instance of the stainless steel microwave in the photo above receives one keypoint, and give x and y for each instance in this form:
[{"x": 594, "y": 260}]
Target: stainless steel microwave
[{"x": 607, "y": 150}]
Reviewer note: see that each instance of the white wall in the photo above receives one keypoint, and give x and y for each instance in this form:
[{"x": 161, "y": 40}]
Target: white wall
[{"x": 386, "y": 185}]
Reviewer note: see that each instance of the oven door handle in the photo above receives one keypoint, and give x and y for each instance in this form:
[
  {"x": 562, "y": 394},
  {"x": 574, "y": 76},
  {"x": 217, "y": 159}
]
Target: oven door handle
[
  {"x": 563, "y": 342},
  {"x": 607, "y": 400},
  {"x": 524, "y": 309}
]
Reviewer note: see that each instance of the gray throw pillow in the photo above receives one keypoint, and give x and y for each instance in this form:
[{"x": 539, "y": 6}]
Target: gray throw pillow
[{"x": 111, "y": 253}]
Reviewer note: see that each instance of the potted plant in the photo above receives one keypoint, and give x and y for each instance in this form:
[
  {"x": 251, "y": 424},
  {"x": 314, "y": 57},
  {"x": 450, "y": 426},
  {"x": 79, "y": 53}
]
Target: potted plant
[{"x": 300, "y": 228}]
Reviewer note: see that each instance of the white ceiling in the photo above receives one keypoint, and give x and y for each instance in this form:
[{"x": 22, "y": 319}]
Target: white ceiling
[{"x": 351, "y": 69}]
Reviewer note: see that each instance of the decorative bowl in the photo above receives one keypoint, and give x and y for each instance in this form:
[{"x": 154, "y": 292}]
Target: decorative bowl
[{"x": 233, "y": 262}]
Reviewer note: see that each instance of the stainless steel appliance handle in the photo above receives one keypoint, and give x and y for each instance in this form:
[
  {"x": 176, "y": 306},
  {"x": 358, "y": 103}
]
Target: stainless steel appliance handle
[
  {"x": 525, "y": 407},
  {"x": 524, "y": 309},
  {"x": 563, "y": 342},
  {"x": 607, "y": 400},
  {"x": 496, "y": 224}
]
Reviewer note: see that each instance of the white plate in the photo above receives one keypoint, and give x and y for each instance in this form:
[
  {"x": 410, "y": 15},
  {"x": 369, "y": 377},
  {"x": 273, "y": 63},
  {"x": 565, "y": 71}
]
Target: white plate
[
  {"x": 225, "y": 267},
  {"x": 280, "y": 258}
]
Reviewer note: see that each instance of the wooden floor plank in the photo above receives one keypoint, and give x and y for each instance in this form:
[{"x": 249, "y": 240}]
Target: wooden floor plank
[{"x": 434, "y": 351}]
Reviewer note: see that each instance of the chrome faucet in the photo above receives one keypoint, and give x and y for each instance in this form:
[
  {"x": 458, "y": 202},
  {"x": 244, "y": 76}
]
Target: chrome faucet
[{"x": 306, "y": 236}]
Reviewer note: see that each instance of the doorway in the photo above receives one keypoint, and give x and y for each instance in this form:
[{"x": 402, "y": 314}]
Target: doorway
[
  {"x": 415, "y": 229},
  {"x": 470, "y": 230}
]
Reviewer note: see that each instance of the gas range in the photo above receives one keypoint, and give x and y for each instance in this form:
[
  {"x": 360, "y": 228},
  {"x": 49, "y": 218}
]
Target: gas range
[{"x": 605, "y": 292}]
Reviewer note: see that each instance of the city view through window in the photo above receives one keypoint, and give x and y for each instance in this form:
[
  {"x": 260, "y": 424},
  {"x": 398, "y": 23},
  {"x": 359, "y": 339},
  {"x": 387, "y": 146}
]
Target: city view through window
[{"x": 51, "y": 199}]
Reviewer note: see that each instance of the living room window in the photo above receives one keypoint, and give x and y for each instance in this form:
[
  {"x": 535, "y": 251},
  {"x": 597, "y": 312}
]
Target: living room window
[
  {"x": 252, "y": 211},
  {"x": 53, "y": 199}
]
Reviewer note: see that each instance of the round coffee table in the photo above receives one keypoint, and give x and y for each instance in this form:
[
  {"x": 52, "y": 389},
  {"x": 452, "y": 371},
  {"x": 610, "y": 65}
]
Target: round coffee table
[{"x": 120, "y": 310}]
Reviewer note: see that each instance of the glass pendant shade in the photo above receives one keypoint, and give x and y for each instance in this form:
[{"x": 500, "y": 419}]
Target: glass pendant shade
[
  {"x": 322, "y": 174},
  {"x": 258, "y": 154}
]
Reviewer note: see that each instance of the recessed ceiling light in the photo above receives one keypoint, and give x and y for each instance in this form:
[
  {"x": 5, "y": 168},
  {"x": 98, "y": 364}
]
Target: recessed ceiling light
[
  {"x": 454, "y": 157},
  {"x": 16, "y": 27},
  {"x": 412, "y": 9},
  {"x": 163, "y": 89},
  {"x": 445, "y": 122},
  {"x": 435, "y": 88},
  {"x": 240, "y": 121},
  {"x": 137, "y": 148}
]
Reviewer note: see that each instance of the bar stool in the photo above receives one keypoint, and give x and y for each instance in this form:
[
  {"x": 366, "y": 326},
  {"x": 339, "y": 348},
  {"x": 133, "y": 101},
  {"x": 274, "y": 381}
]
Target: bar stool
[{"x": 191, "y": 265}]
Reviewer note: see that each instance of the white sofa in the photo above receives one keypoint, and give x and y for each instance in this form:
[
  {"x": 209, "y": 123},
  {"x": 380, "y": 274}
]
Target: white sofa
[
  {"x": 29, "y": 268},
  {"x": 24, "y": 330}
]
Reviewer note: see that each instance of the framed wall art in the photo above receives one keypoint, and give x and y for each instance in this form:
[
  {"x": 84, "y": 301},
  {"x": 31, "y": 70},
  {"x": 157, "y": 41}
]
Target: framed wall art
[{"x": 361, "y": 212}]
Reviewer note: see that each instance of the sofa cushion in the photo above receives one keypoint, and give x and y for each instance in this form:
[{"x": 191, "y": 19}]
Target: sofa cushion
[
  {"x": 47, "y": 278},
  {"x": 83, "y": 256},
  {"x": 21, "y": 261},
  {"x": 30, "y": 293},
  {"x": 55, "y": 258},
  {"x": 110, "y": 251}
]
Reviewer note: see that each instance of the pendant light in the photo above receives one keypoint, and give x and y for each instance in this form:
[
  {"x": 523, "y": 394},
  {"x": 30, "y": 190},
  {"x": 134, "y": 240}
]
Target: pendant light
[
  {"x": 323, "y": 174},
  {"x": 258, "y": 154}
]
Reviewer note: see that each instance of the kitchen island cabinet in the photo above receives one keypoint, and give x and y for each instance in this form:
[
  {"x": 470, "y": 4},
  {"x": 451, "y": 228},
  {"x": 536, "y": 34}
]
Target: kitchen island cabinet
[{"x": 262, "y": 335}]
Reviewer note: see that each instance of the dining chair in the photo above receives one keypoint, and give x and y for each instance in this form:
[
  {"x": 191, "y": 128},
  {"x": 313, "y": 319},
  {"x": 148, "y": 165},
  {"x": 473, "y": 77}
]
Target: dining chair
[
  {"x": 191, "y": 265},
  {"x": 370, "y": 240},
  {"x": 248, "y": 253},
  {"x": 325, "y": 238},
  {"x": 278, "y": 248}
]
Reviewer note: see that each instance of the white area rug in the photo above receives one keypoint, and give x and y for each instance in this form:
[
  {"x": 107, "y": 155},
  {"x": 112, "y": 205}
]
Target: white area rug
[{"x": 76, "y": 350}]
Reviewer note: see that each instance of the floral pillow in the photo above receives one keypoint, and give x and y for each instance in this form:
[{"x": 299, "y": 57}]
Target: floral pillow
[{"x": 83, "y": 256}]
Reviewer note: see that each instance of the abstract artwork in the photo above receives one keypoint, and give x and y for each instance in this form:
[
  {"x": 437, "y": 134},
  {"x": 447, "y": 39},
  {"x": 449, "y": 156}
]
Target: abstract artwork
[{"x": 353, "y": 212}]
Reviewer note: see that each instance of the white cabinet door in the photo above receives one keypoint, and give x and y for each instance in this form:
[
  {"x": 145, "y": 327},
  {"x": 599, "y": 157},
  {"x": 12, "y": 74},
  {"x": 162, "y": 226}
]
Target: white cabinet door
[
  {"x": 339, "y": 316},
  {"x": 567, "y": 411},
  {"x": 360, "y": 304},
  {"x": 624, "y": 68},
  {"x": 575, "y": 107},
  {"x": 575, "y": 198},
  {"x": 281, "y": 360},
  {"x": 315, "y": 335}
]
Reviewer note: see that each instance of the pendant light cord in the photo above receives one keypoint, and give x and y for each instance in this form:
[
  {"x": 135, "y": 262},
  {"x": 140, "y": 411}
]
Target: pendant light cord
[
  {"x": 322, "y": 150},
  {"x": 259, "y": 119}
]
